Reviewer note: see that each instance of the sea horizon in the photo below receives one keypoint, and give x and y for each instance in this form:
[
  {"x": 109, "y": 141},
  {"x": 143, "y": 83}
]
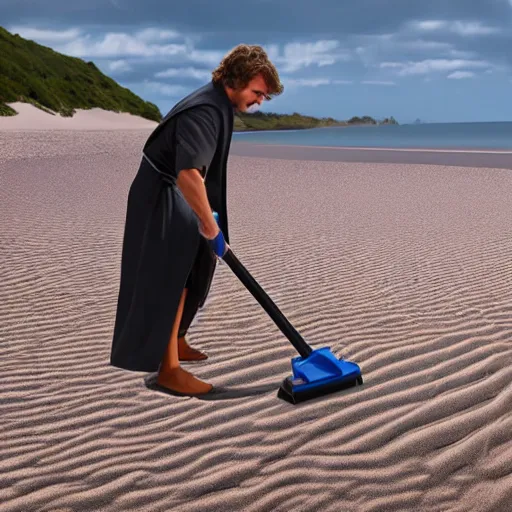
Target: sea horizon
[{"x": 477, "y": 135}]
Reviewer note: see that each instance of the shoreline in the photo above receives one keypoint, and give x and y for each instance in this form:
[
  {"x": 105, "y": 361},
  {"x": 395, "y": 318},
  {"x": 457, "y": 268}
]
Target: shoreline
[
  {"x": 496, "y": 158},
  {"x": 459, "y": 157},
  {"x": 456, "y": 149}
]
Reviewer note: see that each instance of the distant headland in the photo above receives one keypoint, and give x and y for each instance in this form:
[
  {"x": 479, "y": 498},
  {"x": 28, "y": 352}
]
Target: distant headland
[{"x": 296, "y": 121}]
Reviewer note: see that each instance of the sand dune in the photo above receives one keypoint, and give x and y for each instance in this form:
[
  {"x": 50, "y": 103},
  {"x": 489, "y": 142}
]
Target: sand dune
[
  {"x": 31, "y": 118},
  {"x": 404, "y": 269}
]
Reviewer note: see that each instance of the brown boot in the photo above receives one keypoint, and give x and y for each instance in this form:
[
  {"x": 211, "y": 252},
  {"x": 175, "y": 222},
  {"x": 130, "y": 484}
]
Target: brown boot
[
  {"x": 183, "y": 382},
  {"x": 187, "y": 353}
]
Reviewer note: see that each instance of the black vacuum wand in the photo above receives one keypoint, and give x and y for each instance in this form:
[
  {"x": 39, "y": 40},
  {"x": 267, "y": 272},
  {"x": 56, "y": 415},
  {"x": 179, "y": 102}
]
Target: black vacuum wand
[{"x": 315, "y": 372}]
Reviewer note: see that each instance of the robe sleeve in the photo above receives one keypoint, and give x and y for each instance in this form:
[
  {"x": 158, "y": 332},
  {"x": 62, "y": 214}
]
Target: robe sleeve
[{"x": 197, "y": 132}]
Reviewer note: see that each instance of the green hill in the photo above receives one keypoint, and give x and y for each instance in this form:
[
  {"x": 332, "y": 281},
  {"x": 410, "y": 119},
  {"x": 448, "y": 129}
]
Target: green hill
[{"x": 36, "y": 74}]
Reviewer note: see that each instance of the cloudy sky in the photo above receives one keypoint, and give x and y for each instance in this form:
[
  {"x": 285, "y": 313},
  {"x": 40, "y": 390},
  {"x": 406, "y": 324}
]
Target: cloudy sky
[{"x": 437, "y": 60}]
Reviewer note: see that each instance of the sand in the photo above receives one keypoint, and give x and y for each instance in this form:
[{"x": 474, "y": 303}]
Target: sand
[
  {"x": 457, "y": 157},
  {"x": 31, "y": 118},
  {"x": 405, "y": 269}
]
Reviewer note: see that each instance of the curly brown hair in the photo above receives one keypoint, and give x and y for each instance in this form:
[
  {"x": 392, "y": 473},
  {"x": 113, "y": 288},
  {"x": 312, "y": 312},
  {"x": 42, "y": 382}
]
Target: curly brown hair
[{"x": 242, "y": 64}]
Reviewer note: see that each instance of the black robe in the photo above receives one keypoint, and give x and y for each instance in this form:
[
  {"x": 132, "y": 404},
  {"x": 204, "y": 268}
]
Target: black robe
[{"x": 163, "y": 251}]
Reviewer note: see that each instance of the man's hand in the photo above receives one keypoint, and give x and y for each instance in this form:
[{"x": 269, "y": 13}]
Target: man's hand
[{"x": 218, "y": 243}]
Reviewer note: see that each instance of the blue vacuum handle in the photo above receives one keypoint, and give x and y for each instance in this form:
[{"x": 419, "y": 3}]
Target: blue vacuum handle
[{"x": 218, "y": 244}]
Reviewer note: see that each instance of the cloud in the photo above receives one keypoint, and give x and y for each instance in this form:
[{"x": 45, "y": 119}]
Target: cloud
[
  {"x": 158, "y": 43},
  {"x": 461, "y": 28},
  {"x": 433, "y": 65},
  {"x": 114, "y": 44},
  {"x": 119, "y": 66},
  {"x": 422, "y": 44},
  {"x": 378, "y": 82},
  {"x": 154, "y": 44},
  {"x": 207, "y": 57},
  {"x": 306, "y": 82},
  {"x": 46, "y": 36},
  {"x": 400, "y": 47},
  {"x": 313, "y": 82},
  {"x": 417, "y": 48},
  {"x": 457, "y": 75},
  {"x": 397, "y": 43},
  {"x": 230, "y": 19},
  {"x": 428, "y": 24},
  {"x": 461, "y": 54},
  {"x": 198, "y": 74},
  {"x": 472, "y": 29},
  {"x": 299, "y": 55},
  {"x": 146, "y": 43},
  {"x": 154, "y": 34},
  {"x": 148, "y": 87}
]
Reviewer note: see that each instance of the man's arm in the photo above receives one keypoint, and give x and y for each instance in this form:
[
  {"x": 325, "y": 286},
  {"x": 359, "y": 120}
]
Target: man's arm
[{"x": 191, "y": 184}]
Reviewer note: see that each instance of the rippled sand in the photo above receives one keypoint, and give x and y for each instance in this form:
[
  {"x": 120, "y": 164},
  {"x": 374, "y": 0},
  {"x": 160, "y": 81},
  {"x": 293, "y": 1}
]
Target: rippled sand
[{"x": 405, "y": 269}]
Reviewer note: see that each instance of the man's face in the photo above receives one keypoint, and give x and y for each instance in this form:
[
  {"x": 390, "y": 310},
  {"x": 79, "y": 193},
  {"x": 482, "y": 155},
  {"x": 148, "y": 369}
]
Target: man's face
[{"x": 253, "y": 93}]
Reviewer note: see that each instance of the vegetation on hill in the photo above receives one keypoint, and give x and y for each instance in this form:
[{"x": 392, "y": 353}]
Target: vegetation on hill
[
  {"x": 370, "y": 120},
  {"x": 295, "y": 121},
  {"x": 273, "y": 121},
  {"x": 36, "y": 74},
  {"x": 5, "y": 110}
]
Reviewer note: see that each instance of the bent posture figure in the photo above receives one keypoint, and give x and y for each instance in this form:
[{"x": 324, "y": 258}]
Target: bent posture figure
[{"x": 167, "y": 257}]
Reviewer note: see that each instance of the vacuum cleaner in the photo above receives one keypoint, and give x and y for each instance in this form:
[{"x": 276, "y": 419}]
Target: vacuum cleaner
[{"x": 314, "y": 372}]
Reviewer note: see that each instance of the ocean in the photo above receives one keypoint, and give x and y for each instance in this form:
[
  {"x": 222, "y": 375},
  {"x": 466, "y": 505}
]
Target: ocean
[{"x": 484, "y": 135}]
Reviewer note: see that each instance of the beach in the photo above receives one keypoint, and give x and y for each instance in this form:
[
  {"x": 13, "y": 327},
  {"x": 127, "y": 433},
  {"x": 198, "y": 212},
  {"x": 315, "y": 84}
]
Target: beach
[{"x": 402, "y": 267}]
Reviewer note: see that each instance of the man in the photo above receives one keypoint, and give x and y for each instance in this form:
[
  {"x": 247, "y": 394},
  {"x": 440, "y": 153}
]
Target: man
[{"x": 167, "y": 257}]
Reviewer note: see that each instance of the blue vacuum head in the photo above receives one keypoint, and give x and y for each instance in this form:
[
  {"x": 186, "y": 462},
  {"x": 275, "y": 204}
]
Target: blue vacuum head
[
  {"x": 318, "y": 374},
  {"x": 315, "y": 372}
]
